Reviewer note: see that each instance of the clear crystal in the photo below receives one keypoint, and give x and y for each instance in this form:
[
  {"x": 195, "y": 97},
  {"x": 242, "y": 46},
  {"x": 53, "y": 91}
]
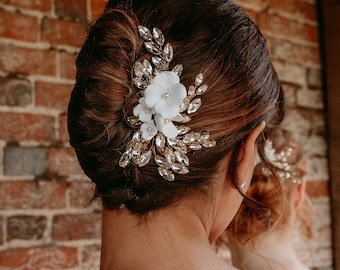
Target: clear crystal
[
  {"x": 178, "y": 69},
  {"x": 191, "y": 91},
  {"x": 138, "y": 69},
  {"x": 184, "y": 104},
  {"x": 204, "y": 136},
  {"x": 182, "y": 130},
  {"x": 137, "y": 136},
  {"x": 182, "y": 158},
  {"x": 144, "y": 32},
  {"x": 159, "y": 62},
  {"x": 195, "y": 146},
  {"x": 160, "y": 142},
  {"x": 169, "y": 155},
  {"x": 185, "y": 118},
  {"x": 162, "y": 162},
  {"x": 158, "y": 36},
  {"x": 168, "y": 52},
  {"x": 152, "y": 48},
  {"x": 147, "y": 68},
  {"x": 177, "y": 145},
  {"x": 133, "y": 120},
  {"x": 139, "y": 82},
  {"x": 209, "y": 143},
  {"x": 125, "y": 159},
  {"x": 199, "y": 79},
  {"x": 179, "y": 168},
  {"x": 166, "y": 174},
  {"x": 194, "y": 105},
  {"x": 202, "y": 89},
  {"x": 144, "y": 158},
  {"x": 189, "y": 138}
]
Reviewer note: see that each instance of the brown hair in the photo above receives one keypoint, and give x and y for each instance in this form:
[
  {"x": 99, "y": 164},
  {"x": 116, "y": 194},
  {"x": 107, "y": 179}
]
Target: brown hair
[
  {"x": 215, "y": 38},
  {"x": 273, "y": 211}
]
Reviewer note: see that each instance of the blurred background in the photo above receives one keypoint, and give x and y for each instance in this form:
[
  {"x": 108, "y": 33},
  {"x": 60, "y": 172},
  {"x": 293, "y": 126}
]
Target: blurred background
[{"x": 43, "y": 220}]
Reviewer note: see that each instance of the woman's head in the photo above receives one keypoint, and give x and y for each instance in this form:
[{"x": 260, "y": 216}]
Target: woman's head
[
  {"x": 294, "y": 208},
  {"x": 214, "y": 38}
]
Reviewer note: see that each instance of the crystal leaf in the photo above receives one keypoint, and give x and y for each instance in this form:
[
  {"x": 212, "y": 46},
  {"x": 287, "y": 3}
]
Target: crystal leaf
[
  {"x": 138, "y": 69},
  {"x": 178, "y": 69},
  {"x": 209, "y": 144},
  {"x": 202, "y": 89},
  {"x": 158, "y": 36},
  {"x": 182, "y": 158},
  {"x": 152, "y": 48},
  {"x": 169, "y": 155},
  {"x": 139, "y": 82},
  {"x": 147, "y": 68},
  {"x": 144, "y": 32},
  {"x": 184, "y": 104},
  {"x": 177, "y": 145},
  {"x": 182, "y": 130},
  {"x": 199, "y": 79},
  {"x": 185, "y": 119},
  {"x": 159, "y": 62},
  {"x": 166, "y": 174},
  {"x": 194, "y": 105},
  {"x": 191, "y": 91},
  {"x": 168, "y": 52},
  {"x": 179, "y": 168},
  {"x": 195, "y": 146},
  {"x": 162, "y": 162},
  {"x": 137, "y": 136},
  {"x": 144, "y": 158},
  {"x": 204, "y": 136},
  {"x": 125, "y": 159},
  {"x": 189, "y": 138},
  {"x": 160, "y": 142}
]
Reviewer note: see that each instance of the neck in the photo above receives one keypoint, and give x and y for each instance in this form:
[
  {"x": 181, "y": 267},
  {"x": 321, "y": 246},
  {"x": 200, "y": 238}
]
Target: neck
[
  {"x": 274, "y": 251},
  {"x": 171, "y": 238}
]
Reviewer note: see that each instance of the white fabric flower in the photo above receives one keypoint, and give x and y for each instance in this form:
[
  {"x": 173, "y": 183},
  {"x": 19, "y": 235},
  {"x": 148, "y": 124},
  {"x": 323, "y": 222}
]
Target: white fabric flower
[
  {"x": 143, "y": 111},
  {"x": 149, "y": 130},
  {"x": 165, "y": 94},
  {"x": 166, "y": 126}
]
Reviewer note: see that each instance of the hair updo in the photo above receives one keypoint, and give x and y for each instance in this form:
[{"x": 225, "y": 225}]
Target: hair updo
[{"x": 215, "y": 38}]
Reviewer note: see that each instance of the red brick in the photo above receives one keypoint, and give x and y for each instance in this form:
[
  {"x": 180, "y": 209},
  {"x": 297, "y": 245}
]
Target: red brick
[
  {"x": 76, "y": 227},
  {"x": 71, "y": 9},
  {"x": 67, "y": 65},
  {"x": 28, "y": 127},
  {"x": 63, "y": 161},
  {"x": 42, "y": 5},
  {"x": 61, "y": 32},
  {"x": 28, "y": 61},
  {"x": 63, "y": 133},
  {"x": 80, "y": 193},
  {"x": 52, "y": 95},
  {"x": 97, "y": 8},
  {"x": 91, "y": 257},
  {"x": 1, "y": 231},
  {"x": 299, "y": 9},
  {"x": 18, "y": 26},
  {"x": 256, "y": 4},
  {"x": 289, "y": 28},
  {"x": 39, "y": 258},
  {"x": 33, "y": 195},
  {"x": 316, "y": 189}
]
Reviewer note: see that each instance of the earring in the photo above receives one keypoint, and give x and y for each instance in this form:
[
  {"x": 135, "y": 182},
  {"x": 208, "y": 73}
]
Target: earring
[{"x": 243, "y": 186}]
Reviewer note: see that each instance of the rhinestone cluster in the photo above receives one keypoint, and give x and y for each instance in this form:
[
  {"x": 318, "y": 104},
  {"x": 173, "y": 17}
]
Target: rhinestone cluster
[{"x": 169, "y": 153}]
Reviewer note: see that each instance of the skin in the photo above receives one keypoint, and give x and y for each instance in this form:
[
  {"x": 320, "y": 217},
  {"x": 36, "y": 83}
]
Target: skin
[{"x": 178, "y": 237}]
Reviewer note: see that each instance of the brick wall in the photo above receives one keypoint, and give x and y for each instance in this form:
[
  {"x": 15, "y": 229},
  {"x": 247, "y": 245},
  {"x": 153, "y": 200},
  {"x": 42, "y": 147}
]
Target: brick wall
[{"x": 43, "y": 221}]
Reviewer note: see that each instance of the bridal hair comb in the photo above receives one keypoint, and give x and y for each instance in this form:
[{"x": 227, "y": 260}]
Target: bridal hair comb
[
  {"x": 283, "y": 160},
  {"x": 163, "y": 101}
]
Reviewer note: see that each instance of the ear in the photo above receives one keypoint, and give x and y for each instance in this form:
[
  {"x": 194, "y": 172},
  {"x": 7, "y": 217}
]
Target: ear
[
  {"x": 300, "y": 194},
  {"x": 246, "y": 159}
]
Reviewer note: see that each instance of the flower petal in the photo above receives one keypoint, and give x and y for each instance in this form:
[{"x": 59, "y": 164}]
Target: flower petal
[
  {"x": 149, "y": 130},
  {"x": 167, "y": 111},
  {"x": 177, "y": 93},
  {"x": 166, "y": 79},
  {"x": 159, "y": 122},
  {"x": 145, "y": 116},
  {"x": 153, "y": 94},
  {"x": 138, "y": 109},
  {"x": 169, "y": 129}
]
